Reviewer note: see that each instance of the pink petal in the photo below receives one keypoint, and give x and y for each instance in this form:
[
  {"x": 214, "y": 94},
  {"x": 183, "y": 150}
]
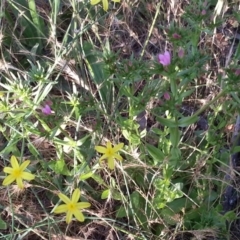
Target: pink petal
[
  {"x": 176, "y": 36},
  {"x": 181, "y": 53},
  {"x": 237, "y": 72},
  {"x": 46, "y": 110},
  {"x": 166, "y": 96},
  {"x": 204, "y": 12},
  {"x": 165, "y": 59}
]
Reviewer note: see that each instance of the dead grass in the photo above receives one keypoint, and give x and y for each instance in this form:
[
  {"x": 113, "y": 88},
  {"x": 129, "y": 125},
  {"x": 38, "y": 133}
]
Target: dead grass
[{"x": 127, "y": 31}]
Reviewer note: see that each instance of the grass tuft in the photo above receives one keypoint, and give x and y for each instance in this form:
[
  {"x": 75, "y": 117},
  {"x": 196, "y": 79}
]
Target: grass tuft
[{"x": 127, "y": 114}]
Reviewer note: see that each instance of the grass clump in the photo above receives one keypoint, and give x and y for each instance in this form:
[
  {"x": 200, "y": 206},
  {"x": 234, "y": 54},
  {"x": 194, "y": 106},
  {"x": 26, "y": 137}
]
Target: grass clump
[{"x": 157, "y": 84}]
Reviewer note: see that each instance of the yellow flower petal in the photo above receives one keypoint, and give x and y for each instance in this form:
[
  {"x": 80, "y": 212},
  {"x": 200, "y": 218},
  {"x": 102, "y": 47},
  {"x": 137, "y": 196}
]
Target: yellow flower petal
[
  {"x": 14, "y": 162},
  {"x": 8, "y": 180},
  {"x": 76, "y": 195},
  {"x": 118, "y": 147},
  {"x": 24, "y": 164},
  {"x": 105, "y": 5},
  {"x": 79, "y": 216},
  {"x": 94, "y": 2},
  {"x": 111, "y": 163},
  {"x": 103, "y": 157},
  {"x": 8, "y": 170},
  {"x": 64, "y": 198},
  {"x": 117, "y": 156},
  {"x": 82, "y": 205},
  {"x": 109, "y": 145},
  {"x": 61, "y": 208},
  {"x": 110, "y": 153},
  {"x": 69, "y": 217},
  {"x": 100, "y": 149},
  {"x": 72, "y": 207},
  {"x": 27, "y": 176},
  {"x": 20, "y": 183}
]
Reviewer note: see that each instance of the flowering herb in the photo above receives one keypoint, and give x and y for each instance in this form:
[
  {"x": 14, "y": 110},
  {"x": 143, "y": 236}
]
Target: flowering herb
[
  {"x": 110, "y": 153},
  {"x": 46, "y": 109},
  {"x": 165, "y": 59},
  {"x": 17, "y": 173},
  {"x": 72, "y": 206}
]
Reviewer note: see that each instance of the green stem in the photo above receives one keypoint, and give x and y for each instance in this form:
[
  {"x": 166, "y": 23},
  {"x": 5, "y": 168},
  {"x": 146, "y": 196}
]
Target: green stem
[
  {"x": 151, "y": 29},
  {"x": 209, "y": 103}
]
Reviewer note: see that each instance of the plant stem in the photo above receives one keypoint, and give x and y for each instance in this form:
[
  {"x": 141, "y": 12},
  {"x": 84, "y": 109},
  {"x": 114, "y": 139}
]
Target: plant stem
[{"x": 209, "y": 103}]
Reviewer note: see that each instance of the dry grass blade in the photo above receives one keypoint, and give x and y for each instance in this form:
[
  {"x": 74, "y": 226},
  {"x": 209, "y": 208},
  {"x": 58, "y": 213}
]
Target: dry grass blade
[
  {"x": 221, "y": 8},
  {"x": 68, "y": 69}
]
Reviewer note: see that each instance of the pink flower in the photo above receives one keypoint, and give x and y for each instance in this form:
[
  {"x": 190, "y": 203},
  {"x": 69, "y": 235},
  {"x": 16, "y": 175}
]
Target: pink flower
[
  {"x": 165, "y": 59},
  {"x": 46, "y": 110},
  {"x": 176, "y": 36},
  {"x": 237, "y": 72},
  {"x": 204, "y": 12},
  {"x": 180, "y": 52},
  {"x": 166, "y": 96}
]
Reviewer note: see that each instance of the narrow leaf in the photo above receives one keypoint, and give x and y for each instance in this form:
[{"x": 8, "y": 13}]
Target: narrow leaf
[
  {"x": 155, "y": 153},
  {"x": 105, "y": 194},
  {"x": 167, "y": 122},
  {"x": 186, "y": 121}
]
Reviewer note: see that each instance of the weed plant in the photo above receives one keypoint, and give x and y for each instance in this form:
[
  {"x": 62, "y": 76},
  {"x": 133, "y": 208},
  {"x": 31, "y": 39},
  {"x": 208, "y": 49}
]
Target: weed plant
[{"x": 116, "y": 119}]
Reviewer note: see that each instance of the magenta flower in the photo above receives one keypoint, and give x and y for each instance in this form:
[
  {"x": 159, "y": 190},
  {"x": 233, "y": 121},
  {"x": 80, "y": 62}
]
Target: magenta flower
[
  {"x": 166, "y": 96},
  {"x": 237, "y": 72},
  {"x": 180, "y": 52},
  {"x": 203, "y": 12},
  {"x": 46, "y": 110},
  {"x": 165, "y": 59},
  {"x": 176, "y": 36}
]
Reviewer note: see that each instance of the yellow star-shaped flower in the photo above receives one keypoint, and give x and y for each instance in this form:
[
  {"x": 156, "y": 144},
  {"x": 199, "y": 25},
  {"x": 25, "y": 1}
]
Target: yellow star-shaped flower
[
  {"x": 17, "y": 173},
  {"x": 104, "y": 2},
  {"x": 72, "y": 206},
  {"x": 110, "y": 153}
]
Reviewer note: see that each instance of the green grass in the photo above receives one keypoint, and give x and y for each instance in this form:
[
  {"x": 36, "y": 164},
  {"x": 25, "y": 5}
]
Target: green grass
[{"x": 99, "y": 73}]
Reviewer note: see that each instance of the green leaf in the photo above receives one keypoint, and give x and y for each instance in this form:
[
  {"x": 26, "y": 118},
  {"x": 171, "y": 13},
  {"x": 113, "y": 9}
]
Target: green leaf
[
  {"x": 175, "y": 154},
  {"x": 131, "y": 137},
  {"x": 116, "y": 195},
  {"x": 186, "y": 121},
  {"x": 143, "y": 133},
  {"x": 236, "y": 149},
  {"x": 33, "y": 28},
  {"x": 37, "y": 22},
  {"x": 105, "y": 194},
  {"x": 59, "y": 167},
  {"x": 126, "y": 134},
  {"x": 32, "y": 149},
  {"x": 155, "y": 153},
  {"x": 34, "y": 51},
  {"x": 174, "y": 136},
  {"x": 212, "y": 196},
  {"x": 167, "y": 122},
  {"x": 161, "y": 204},
  {"x": 169, "y": 216},
  {"x": 178, "y": 190},
  {"x": 230, "y": 216},
  {"x": 121, "y": 212},
  {"x": 86, "y": 175},
  {"x": 98, "y": 179},
  {"x": 95, "y": 64},
  {"x": 186, "y": 93},
  {"x": 179, "y": 204},
  {"x": 82, "y": 140},
  {"x": 135, "y": 197},
  {"x": 3, "y": 225}
]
